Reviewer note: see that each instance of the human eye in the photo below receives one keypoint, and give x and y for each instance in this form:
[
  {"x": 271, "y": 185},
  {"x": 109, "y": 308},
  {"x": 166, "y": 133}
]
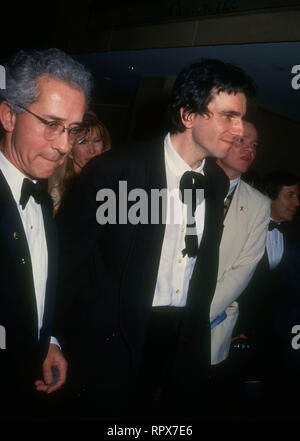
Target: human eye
[
  {"x": 228, "y": 116},
  {"x": 75, "y": 130},
  {"x": 77, "y": 134},
  {"x": 53, "y": 124}
]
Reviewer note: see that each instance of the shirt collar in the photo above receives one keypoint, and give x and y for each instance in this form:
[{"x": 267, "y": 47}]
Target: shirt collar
[
  {"x": 278, "y": 223},
  {"x": 177, "y": 165},
  {"x": 233, "y": 184},
  {"x": 13, "y": 177}
]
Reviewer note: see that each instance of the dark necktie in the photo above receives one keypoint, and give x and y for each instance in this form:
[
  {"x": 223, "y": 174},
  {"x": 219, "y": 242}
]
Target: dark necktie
[
  {"x": 29, "y": 188},
  {"x": 273, "y": 225},
  {"x": 191, "y": 181},
  {"x": 227, "y": 202}
]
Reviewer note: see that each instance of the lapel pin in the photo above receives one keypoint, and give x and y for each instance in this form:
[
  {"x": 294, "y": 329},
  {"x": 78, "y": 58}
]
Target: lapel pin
[{"x": 16, "y": 235}]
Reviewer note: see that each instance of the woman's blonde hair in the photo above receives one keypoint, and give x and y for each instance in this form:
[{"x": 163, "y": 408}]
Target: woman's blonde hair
[{"x": 64, "y": 175}]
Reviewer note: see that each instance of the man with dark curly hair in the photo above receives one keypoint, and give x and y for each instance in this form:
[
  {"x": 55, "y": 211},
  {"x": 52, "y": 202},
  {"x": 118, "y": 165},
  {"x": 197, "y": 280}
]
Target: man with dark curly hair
[{"x": 143, "y": 288}]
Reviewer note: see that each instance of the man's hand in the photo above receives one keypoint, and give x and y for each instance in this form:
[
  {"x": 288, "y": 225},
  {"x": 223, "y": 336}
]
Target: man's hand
[
  {"x": 237, "y": 337},
  {"x": 54, "y": 366}
]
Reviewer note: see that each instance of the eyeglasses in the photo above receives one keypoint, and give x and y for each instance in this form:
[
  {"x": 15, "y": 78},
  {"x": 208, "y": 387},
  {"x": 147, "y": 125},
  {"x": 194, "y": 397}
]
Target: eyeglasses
[
  {"x": 84, "y": 141},
  {"x": 53, "y": 129}
]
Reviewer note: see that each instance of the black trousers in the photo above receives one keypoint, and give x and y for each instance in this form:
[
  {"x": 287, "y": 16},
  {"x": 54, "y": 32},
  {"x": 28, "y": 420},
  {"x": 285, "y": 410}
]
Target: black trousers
[
  {"x": 157, "y": 395},
  {"x": 160, "y": 347}
]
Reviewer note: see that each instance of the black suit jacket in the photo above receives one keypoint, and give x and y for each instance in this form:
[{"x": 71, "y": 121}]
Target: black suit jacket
[
  {"x": 259, "y": 302},
  {"x": 20, "y": 361},
  {"x": 288, "y": 316},
  {"x": 108, "y": 273}
]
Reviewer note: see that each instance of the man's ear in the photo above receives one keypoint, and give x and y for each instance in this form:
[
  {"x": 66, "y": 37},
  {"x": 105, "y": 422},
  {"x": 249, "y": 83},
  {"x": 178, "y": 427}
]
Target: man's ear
[
  {"x": 7, "y": 117},
  {"x": 187, "y": 117}
]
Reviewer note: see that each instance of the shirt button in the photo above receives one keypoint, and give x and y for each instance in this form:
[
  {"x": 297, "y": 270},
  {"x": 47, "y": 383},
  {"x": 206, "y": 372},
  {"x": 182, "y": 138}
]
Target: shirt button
[
  {"x": 179, "y": 261},
  {"x": 177, "y": 291}
]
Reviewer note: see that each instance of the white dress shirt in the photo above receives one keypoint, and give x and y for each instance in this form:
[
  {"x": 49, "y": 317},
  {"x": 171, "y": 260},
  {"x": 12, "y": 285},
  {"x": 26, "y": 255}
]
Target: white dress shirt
[
  {"x": 175, "y": 271},
  {"x": 33, "y": 223},
  {"x": 275, "y": 247}
]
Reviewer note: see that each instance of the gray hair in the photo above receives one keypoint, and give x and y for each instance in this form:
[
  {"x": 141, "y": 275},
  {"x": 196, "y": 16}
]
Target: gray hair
[{"x": 24, "y": 69}]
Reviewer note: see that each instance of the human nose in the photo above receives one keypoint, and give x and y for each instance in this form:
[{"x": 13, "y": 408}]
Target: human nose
[
  {"x": 62, "y": 143},
  {"x": 92, "y": 149},
  {"x": 246, "y": 145},
  {"x": 237, "y": 127}
]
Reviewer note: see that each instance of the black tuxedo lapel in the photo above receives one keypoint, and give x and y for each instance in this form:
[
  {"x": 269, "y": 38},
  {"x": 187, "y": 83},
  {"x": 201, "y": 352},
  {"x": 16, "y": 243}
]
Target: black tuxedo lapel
[
  {"x": 20, "y": 295},
  {"x": 194, "y": 348},
  {"x": 264, "y": 265},
  {"x": 139, "y": 280},
  {"x": 156, "y": 179},
  {"x": 206, "y": 266},
  {"x": 51, "y": 240}
]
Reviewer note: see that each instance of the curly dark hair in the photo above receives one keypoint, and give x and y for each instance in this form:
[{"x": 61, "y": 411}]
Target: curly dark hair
[{"x": 197, "y": 84}]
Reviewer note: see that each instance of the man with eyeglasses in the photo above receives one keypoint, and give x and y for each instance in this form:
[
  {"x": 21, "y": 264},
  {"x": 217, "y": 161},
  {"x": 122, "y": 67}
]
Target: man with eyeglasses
[{"x": 41, "y": 111}]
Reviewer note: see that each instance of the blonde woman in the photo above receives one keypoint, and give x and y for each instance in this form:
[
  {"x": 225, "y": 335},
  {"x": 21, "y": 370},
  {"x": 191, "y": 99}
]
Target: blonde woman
[{"x": 96, "y": 141}]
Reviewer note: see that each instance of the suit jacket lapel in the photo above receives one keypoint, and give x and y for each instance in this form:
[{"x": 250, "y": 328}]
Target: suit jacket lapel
[
  {"x": 207, "y": 260},
  {"x": 153, "y": 234},
  {"x": 194, "y": 343},
  {"x": 51, "y": 239},
  {"x": 14, "y": 240},
  {"x": 138, "y": 281},
  {"x": 155, "y": 179}
]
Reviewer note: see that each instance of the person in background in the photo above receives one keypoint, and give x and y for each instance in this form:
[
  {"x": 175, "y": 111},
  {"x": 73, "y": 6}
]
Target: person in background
[
  {"x": 41, "y": 111},
  {"x": 261, "y": 301},
  {"x": 288, "y": 328},
  {"x": 96, "y": 141},
  {"x": 247, "y": 213},
  {"x": 246, "y": 217}
]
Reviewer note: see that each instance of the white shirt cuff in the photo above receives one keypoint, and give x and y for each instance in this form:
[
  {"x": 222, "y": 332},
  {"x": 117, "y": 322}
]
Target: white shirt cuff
[{"x": 54, "y": 341}]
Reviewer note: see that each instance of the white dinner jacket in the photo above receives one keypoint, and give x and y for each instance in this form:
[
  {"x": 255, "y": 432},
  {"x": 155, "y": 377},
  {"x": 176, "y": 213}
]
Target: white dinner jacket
[{"x": 242, "y": 246}]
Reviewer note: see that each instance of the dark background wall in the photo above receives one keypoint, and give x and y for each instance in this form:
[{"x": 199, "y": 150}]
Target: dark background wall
[{"x": 89, "y": 27}]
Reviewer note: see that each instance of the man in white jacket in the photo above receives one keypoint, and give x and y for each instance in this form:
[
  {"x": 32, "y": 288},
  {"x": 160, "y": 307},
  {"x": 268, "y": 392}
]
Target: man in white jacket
[{"x": 247, "y": 214}]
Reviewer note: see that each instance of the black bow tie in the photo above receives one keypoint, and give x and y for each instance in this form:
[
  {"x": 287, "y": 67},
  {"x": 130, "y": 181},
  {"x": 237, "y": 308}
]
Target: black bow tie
[
  {"x": 273, "y": 225},
  {"x": 191, "y": 181},
  {"x": 29, "y": 188}
]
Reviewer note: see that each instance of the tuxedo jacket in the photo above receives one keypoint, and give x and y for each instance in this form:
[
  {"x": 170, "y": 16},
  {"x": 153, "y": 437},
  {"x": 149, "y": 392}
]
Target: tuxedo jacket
[
  {"x": 242, "y": 246},
  {"x": 260, "y": 301},
  {"x": 21, "y": 358},
  {"x": 109, "y": 272},
  {"x": 288, "y": 315}
]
